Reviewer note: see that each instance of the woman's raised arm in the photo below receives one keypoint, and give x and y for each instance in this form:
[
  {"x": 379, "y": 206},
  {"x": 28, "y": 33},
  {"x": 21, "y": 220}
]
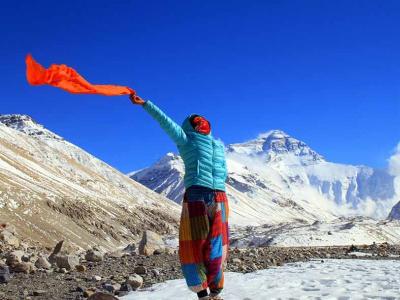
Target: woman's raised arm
[{"x": 174, "y": 131}]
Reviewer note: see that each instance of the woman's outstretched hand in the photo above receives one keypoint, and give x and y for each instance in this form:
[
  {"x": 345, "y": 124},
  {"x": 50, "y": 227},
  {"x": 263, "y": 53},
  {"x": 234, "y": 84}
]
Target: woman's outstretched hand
[{"x": 136, "y": 99}]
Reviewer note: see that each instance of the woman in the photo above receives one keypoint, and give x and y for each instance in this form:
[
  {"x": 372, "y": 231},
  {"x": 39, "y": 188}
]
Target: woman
[{"x": 203, "y": 232}]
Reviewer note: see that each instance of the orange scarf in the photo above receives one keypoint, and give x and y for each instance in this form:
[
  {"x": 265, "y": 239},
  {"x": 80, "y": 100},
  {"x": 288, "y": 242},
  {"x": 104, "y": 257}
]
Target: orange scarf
[{"x": 68, "y": 79}]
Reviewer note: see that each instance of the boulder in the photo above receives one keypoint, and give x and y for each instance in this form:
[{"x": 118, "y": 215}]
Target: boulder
[
  {"x": 111, "y": 288},
  {"x": 150, "y": 243},
  {"x": 68, "y": 262},
  {"x": 26, "y": 257},
  {"x": 89, "y": 292},
  {"x": 117, "y": 254},
  {"x": 131, "y": 248},
  {"x": 125, "y": 289},
  {"x": 56, "y": 251},
  {"x": 9, "y": 238},
  {"x": 135, "y": 281},
  {"x": 23, "y": 267},
  {"x": 4, "y": 274},
  {"x": 102, "y": 296},
  {"x": 7, "y": 227},
  {"x": 141, "y": 270},
  {"x": 39, "y": 292},
  {"x": 170, "y": 251},
  {"x": 14, "y": 257},
  {"x": 42, "y": 263},
  {"x": 80, "y": 268},
  {"x": 236, "y": 261},
  {"x": 94, "y": 255},
  {"x": 155, "y": 272}
]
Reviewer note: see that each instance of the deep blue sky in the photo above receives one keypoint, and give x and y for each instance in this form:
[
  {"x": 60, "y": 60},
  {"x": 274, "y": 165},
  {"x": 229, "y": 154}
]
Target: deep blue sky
[{"x": 326, "y": 72}]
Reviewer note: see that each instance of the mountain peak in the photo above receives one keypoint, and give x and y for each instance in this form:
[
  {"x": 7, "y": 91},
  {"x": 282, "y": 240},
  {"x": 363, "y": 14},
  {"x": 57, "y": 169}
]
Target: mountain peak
[
  {"x": 165, "y": 176},
  {"x": 27, "y": 125},
  {"x": 274, "y": 144},
  {"x": 12, "y": 120},
  {"x": 169, "y": 158},
  {"x": 273, "y": 133}
]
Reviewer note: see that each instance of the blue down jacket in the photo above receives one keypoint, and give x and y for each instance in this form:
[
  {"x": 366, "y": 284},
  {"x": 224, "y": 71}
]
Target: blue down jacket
[{"x": 203, "y": 156}]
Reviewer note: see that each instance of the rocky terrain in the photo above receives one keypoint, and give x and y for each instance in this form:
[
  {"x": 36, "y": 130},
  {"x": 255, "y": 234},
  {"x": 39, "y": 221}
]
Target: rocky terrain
[{"x": 103, "y": 276}]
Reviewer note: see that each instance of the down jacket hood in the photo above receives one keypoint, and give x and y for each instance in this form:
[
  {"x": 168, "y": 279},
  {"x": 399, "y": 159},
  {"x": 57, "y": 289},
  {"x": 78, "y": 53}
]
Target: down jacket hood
[{"x": 187, "y": 126}]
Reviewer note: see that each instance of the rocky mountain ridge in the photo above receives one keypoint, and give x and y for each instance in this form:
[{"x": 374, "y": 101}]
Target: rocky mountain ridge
[{"x": 51, "y": 189}]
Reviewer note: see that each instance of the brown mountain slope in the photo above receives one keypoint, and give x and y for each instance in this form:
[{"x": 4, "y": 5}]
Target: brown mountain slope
[{"x": 52, "y": 190}]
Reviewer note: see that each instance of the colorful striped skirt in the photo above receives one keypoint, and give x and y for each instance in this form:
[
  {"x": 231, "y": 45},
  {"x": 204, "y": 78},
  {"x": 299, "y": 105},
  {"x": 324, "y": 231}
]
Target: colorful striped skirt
[{"x": 204, "y": 238}]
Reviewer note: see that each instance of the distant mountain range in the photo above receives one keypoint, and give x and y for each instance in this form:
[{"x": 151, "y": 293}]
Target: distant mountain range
[
  {"x": 281, "y": 192},
  {"x": 276, "y": 178}
]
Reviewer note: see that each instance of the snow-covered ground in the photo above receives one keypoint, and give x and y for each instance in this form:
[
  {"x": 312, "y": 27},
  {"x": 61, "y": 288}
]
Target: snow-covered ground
[{"x": 332, "y": 279}]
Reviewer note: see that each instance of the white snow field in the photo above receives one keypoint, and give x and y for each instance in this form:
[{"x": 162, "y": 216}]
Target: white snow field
[{"x": 332, "y": 279}]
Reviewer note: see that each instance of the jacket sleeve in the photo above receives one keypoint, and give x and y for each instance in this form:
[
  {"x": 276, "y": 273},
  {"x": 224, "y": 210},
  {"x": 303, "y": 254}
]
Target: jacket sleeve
[{"x": 174, "y": 131}]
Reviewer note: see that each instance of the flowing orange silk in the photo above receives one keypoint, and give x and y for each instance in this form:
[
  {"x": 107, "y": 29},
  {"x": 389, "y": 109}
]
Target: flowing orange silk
[{"x": 68, "y": 79}]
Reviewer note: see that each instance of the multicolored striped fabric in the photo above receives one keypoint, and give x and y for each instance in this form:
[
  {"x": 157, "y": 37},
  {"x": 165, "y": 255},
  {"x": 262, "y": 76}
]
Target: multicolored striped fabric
[{"x": 204, "y": 238}]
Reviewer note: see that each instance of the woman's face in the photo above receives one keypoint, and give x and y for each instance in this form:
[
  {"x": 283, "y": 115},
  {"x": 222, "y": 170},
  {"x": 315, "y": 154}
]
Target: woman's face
[{"x": 200, "y": 124}]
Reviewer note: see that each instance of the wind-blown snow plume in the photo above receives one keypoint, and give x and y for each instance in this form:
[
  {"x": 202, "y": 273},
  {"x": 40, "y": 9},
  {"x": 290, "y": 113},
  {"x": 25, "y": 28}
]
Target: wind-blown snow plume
[{"x": 394, "y": 168}]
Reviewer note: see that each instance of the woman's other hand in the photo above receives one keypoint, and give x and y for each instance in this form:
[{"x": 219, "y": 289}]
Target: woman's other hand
[{"x": 136, "y": 99}]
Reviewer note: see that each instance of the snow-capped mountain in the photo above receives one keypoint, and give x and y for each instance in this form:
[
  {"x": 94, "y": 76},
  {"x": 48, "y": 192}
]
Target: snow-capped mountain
[
  {"x": 152, "y": 178},
  {"x": 276, "y": 178},
  {"x": 27, "y": 125},
  {"x": 273, "y": 145},
  {"x": 51, "y": 189}
]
